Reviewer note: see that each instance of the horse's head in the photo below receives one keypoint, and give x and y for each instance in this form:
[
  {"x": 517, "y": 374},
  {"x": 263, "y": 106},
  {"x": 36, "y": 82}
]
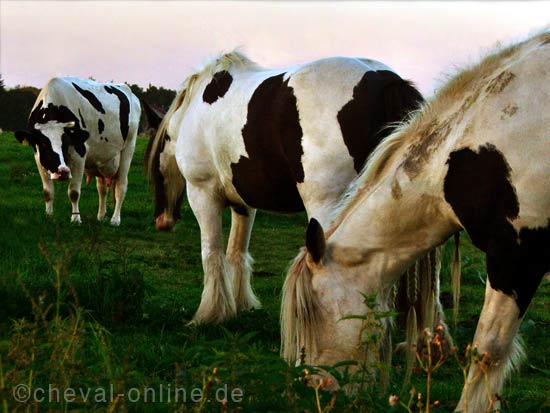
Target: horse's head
[
  {"x": 164, "y": 175},
  {"x": 152, "y": 120},
  {"x": 322, "y": 290}
]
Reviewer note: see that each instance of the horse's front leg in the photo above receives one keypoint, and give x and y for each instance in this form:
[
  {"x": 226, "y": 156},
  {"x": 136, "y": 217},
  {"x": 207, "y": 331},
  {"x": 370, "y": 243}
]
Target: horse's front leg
[
  {"x": 498, "y": 351},
  {"x": 242, "y": 220},
  {"x": 217, "y": 300}
]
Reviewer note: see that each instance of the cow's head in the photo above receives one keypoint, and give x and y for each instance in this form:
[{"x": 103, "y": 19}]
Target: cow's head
[{"x": 52, "y": 130}]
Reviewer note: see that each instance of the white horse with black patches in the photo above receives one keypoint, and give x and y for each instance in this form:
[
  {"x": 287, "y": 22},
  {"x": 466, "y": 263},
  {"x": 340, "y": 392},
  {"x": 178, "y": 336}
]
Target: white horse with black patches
[
  {"x": 281, "y": 140},
  {"x": 474, "y": 158},
  {"x": 81, "y": 126}
]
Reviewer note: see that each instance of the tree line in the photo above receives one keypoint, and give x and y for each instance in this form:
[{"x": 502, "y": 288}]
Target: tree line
[{"x": 16, "y": 103}]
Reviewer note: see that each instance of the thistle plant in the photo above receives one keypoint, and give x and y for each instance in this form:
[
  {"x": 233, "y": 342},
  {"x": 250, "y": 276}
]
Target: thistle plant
[{"x": 431, "y": 358}]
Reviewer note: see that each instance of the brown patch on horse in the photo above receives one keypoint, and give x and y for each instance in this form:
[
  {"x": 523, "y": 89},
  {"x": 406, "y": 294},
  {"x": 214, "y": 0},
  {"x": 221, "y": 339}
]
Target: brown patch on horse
[
  {"x": 47, "y": 195},
  {"x": 420, "y": 150},
  {"x": 516, "y": 260},
  {"x": 380, "y": 98},
  {"x": 218, "y": 87},
  {"x": 498, "y": 84},
  {"x": 267, "y": 177},
  {"x": 396, "y": 191},
  {"x": 509, "y": 110}
]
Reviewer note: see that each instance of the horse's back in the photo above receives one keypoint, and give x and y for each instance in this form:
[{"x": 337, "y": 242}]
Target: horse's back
[
  {"x": 514, "y": 119},
  {"x": 278, "y": 138}
]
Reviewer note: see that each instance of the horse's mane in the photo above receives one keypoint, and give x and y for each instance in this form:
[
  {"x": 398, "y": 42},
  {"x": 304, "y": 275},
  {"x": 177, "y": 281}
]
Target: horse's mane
[
  {"x": 185, "y": 94},
  {"x": 418, "y": 122},
  {"x": 300, "y": 312}
]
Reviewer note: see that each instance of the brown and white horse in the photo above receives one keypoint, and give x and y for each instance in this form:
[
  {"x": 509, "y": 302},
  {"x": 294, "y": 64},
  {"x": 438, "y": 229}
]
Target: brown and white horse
[
  {"x": 276, "y": 139},
  {"x": 475, "y": 158}
]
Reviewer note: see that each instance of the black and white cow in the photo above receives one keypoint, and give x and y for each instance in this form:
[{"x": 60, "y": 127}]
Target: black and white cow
[{"x": 78, "y": 126}]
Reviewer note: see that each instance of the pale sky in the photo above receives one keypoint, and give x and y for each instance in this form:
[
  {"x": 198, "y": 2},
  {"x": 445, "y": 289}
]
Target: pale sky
[{"x": 161, "y": 42}]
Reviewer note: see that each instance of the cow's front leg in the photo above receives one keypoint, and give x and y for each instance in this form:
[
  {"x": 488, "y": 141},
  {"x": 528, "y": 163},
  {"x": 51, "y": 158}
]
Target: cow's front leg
[
  {"x": 48, "y": 188},
  {"x": 77, "y": 171}
]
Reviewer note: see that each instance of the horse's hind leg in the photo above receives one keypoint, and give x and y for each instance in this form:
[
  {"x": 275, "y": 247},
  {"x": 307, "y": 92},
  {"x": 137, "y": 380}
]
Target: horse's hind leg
[
  {"x": 217, "y": 300},
  {"x": 239, "y": 258},
  {"x": 497, "y": 327}
]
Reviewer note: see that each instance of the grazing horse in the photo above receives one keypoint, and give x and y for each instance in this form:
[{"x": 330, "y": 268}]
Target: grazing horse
[
  {"x": 282, "y": 140},
  {"x": 474, "y": 158},
  {"x": 79, "y": 125}
]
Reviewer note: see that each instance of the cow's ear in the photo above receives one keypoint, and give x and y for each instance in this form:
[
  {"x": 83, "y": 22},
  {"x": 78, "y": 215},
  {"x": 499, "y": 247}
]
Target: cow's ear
[
  {"x": 315, "y": 240},
  {"x": 24, "y": 137},
  {"x": 152, "y": 116}
]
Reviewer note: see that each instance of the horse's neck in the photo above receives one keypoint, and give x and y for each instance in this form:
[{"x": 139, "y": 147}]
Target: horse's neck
[{"x": 391, "y": 228}]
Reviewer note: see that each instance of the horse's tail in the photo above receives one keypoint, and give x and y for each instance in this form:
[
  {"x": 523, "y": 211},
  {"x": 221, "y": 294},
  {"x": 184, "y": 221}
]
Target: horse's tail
[{"x": 300, "y": 317}]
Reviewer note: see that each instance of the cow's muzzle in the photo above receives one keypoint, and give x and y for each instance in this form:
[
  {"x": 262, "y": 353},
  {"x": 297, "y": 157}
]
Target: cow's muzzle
[{"x": 63, "y": 173}]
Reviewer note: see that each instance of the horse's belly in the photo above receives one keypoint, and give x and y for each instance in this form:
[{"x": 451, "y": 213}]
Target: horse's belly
[{"x": 275, "y": 190}]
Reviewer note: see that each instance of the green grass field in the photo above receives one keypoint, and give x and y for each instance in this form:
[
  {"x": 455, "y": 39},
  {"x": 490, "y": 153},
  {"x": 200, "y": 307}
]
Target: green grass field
[{"x": 92, "y": 306}]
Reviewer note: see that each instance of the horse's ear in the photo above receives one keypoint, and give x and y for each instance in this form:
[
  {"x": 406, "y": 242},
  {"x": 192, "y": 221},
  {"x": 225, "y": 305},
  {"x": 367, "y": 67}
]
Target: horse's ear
[
  {"x": 315, "y": 240},
  {"x": 153, "y": 116}
]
